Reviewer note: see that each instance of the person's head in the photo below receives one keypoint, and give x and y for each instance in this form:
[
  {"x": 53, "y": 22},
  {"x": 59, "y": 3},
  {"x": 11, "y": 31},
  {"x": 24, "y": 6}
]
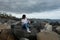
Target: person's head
[{"x": 23, "y": 16}]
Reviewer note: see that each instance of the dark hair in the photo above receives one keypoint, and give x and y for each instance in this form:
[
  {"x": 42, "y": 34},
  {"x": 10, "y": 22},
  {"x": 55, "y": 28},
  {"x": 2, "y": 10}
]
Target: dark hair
[{"x": 23, "y": 16}]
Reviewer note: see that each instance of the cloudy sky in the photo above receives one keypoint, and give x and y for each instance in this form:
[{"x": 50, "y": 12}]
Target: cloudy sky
[{"x": 32, "y": 7}]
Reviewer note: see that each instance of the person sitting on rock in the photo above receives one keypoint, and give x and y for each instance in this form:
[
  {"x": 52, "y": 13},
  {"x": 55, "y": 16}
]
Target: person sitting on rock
[{"x": 25, "y": 23}]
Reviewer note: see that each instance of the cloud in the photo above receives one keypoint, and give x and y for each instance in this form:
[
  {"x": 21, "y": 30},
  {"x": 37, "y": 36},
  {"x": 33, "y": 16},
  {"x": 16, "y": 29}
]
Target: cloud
[
  {"x": 55, "y": 14},
  {"x": 29, "y": 6}
]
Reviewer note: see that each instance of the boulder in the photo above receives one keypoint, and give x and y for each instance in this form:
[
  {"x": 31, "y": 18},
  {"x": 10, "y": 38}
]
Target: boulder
[
  {"x": 5, "y": 26},
  {"x": 23, "y": 39},
  {"x": 6, "y": 35},
  {"x": 47, "y": 36},
  {"x": 48, "y": 27},
  {"x": 58, "y": 29}
]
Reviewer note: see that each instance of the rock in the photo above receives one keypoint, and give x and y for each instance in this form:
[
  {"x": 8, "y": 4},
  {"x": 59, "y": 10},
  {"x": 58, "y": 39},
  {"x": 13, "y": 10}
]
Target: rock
[
  {"x": 58, "y": 29},
  {"x": 24, "y": 39},
  {"x": 5, "y": 26},
  {"x": 6, "y": 35},
  {"x": 59, "y": 37},
  {"x": 48, "y": 27},
  {"x": 47, "y": 36},
  {"x": 22, "y": 33}
]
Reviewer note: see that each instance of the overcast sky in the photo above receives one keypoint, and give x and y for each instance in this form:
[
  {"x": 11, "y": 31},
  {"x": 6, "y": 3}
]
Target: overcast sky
[{"x": 31, "y": 6}]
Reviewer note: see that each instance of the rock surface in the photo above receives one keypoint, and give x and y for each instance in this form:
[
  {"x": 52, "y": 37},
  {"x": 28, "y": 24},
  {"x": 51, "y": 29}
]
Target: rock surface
[
  {"x": 5, "y": 26},
  {"x": 58, "y": 29},
  {"x": 24, "y": 39},
  {"x": 47, "y": 36}
]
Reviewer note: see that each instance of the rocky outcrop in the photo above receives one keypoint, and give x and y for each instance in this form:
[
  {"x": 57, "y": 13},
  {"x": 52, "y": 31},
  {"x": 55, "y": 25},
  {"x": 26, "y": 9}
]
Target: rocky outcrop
[
  {"x": 24, "y": 39},
  {"x": 5, "y": 26},
  {"x": 58, "y": 29},
  {"x": 6, "y": 35},
  {"x": 47, "y": 36}
]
